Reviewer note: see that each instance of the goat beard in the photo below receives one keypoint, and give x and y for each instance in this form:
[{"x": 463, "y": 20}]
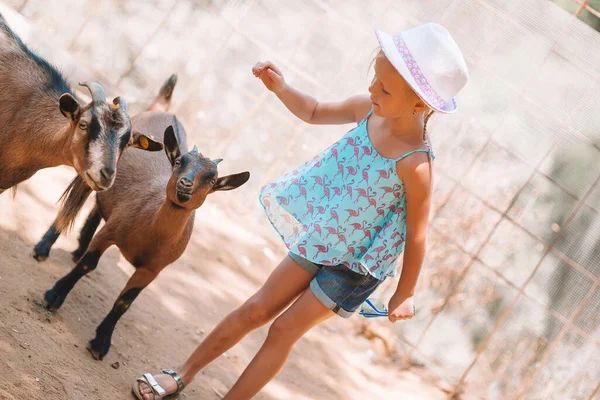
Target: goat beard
[{"x": 71, "y": 203}]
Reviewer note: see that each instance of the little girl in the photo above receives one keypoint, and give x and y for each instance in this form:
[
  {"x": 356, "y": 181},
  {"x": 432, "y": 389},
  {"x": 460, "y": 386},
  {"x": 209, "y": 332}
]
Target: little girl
[{"x": 346, "y": 215}]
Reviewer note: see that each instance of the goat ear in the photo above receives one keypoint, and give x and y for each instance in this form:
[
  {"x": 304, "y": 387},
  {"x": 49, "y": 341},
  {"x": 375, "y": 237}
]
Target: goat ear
[
  {"x": 230, "y": 182},
  {"x": 69, "y": 107},
  {"x": 171, "y": 145},
  {"x": 144, "y": 142}
]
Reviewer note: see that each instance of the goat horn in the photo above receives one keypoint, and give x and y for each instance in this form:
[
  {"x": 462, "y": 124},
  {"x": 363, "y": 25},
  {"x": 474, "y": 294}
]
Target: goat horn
[
  {"x": 95, "y": 89},
  {"x": 195, "y": 149},
  {"x": 119, "y": 101},
  {"x": 217, "y": 161}
]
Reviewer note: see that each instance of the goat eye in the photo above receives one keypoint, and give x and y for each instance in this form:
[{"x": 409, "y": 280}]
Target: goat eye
[
  {"x": 212, "y": 182},
  {"x": 177, "y": 162},
  {"x": 83, "y": 125}
]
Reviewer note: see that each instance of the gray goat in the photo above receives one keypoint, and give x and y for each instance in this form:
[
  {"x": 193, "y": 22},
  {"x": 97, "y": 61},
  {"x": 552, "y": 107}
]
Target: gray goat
[
  {"x": 149, "y": 214},
  {"x": 35, "y": 135}
]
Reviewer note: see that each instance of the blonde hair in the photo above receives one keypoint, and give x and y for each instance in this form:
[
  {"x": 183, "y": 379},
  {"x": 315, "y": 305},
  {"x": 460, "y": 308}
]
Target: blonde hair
[
  {"x": 374, "y": 54},
  {"x": 428, "y": 115}
]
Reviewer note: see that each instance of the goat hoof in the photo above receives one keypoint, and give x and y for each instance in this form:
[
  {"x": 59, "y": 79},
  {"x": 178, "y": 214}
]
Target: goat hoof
[
  {"x": 52, "y": 300},
  {"x": 41, "y": 252},
  {"x": 40, "y": 257},
  {"x": 98, "y": 347}
]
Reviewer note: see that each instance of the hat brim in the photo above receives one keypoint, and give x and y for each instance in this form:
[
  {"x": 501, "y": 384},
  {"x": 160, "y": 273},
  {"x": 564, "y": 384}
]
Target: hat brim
[{"x": 390, "y": 50}]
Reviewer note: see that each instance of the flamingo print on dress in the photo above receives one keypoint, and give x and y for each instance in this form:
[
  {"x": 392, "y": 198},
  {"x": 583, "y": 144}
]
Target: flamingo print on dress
[
  {"x": 349, "y": 187},
  {"x": 337, "y": 191},
  {"x": 365, "y": 175},
  {"x": 345, "y": 206},
  {"x": 353, "y": 213},
  {"x": 296, "y": 229},
  {"x": 352, "y": 170},
  {"x": 395, "y": 235},
  {"x": 333, "y": 231},
  {"x": 398, "y": 243},
  {"x": 267, "y": 203},
  {"x": 322, "y": 210},
  {"x": 340, "y": 169},
  {"x": 288, "y": 219},
  {"x": 333, "y": 261},
  {"x": 389, "y": 189},
  {"x": 377, "y": 229},
  {"x": 310, "y": 208},
  {"x": 362, "y": 249},
  {"x": 334, "y": 153},
  {"x": 367, "y": 151},
  {"x": 322, "y": 249},
  {"x": 319, "y": 180},
  {"x": 284, "y": 200},
  {"x": 334, "y": 214},
  {"x": 363, "y": 193},
  {"x": 326, "y": 193},
  {"x": 352, "y": 249},
  {"x": 360, "y": 226},
  {"x": 341, "y": 236},
  {"x": 317, "y": 228},
  {"x": 367, "y": 233},
  {"x": 356, "y": 152},
  {"x": 383, "y": 173},
  {"x": 302, "y": 249},
  {"x": 381, "y": 248},
  {"x": 350, "y": 141},
  {"x": 376, "y": 266},
  {"x": 300, "y": 183},
  {"x": 372, "y": 202}
]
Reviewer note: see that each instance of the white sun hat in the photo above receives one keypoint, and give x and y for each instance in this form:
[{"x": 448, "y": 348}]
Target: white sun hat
[{"x": 430, "y": 61}]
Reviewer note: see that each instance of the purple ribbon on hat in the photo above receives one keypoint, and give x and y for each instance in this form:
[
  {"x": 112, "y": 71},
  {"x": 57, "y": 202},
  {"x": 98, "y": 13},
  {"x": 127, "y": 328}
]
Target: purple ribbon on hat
[{"x": 415, "y": 71}]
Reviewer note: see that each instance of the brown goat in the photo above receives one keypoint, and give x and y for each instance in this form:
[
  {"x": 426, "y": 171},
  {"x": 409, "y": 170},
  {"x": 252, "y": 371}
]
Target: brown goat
[
  {"x": 35, "y": 135},
  {"x": 149, "y": 214},
  {"x": 78, "y": 192}
]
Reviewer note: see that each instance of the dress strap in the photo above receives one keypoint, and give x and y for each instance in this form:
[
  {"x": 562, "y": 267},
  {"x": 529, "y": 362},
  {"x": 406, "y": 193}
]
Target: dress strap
[{"x": 416, "y": 151}]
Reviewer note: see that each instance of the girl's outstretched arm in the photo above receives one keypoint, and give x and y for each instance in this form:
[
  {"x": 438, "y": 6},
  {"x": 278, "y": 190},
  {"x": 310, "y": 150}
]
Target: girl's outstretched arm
[
  {"x": 306, "y": 107},
  {"x": 415, "y": 172}
]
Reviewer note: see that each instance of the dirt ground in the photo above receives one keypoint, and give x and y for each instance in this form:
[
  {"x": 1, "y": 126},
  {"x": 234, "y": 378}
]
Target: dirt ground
[{"x": 43, "y": 355}]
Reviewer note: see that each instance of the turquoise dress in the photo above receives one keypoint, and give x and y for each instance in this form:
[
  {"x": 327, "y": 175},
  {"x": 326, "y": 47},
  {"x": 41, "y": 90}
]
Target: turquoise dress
[{"x": 345, "y": 206}]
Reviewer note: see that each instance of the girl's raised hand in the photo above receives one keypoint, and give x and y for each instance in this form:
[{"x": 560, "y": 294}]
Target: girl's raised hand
[
  {"x": 270, "y": 75},
  {"x": 401, "y": 308}
]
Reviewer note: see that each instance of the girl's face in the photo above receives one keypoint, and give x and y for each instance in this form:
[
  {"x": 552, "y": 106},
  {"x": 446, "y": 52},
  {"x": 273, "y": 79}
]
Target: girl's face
[{"x": 391, "y": 95}]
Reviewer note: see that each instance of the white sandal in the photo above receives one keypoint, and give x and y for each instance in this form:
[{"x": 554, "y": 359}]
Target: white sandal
[{"x": 157, "y": 390}]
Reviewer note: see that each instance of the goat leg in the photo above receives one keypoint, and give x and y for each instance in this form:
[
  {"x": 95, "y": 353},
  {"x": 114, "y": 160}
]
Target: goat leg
[
  {"x": 41, "y": 251},
  {"x": 87, "y": 233},
  {"x": 100, "y": 345},
  {"x": 55, "y": 297}
]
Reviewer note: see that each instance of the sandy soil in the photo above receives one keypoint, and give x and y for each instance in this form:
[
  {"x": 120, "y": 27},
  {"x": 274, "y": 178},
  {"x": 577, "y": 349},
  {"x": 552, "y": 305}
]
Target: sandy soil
[{"x": 43, "y": 356}]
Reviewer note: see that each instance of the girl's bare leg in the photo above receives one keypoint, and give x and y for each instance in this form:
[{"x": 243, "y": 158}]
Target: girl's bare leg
[
  {"x": 290, "y": 326},
  {"x": 282, "y": 287}
]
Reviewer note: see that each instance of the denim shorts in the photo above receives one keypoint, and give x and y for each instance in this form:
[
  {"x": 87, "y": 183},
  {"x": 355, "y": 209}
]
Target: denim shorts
[{"x": 338, "y": 287}]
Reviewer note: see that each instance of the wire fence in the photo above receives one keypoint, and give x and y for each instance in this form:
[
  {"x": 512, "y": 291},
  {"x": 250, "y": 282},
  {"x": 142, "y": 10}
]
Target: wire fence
[{"x": 509, "y": 298}]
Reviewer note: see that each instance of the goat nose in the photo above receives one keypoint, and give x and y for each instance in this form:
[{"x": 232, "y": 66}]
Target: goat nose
[
  {"x": 185, "y": 182},
  {"x": 107, "y": 173}
]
